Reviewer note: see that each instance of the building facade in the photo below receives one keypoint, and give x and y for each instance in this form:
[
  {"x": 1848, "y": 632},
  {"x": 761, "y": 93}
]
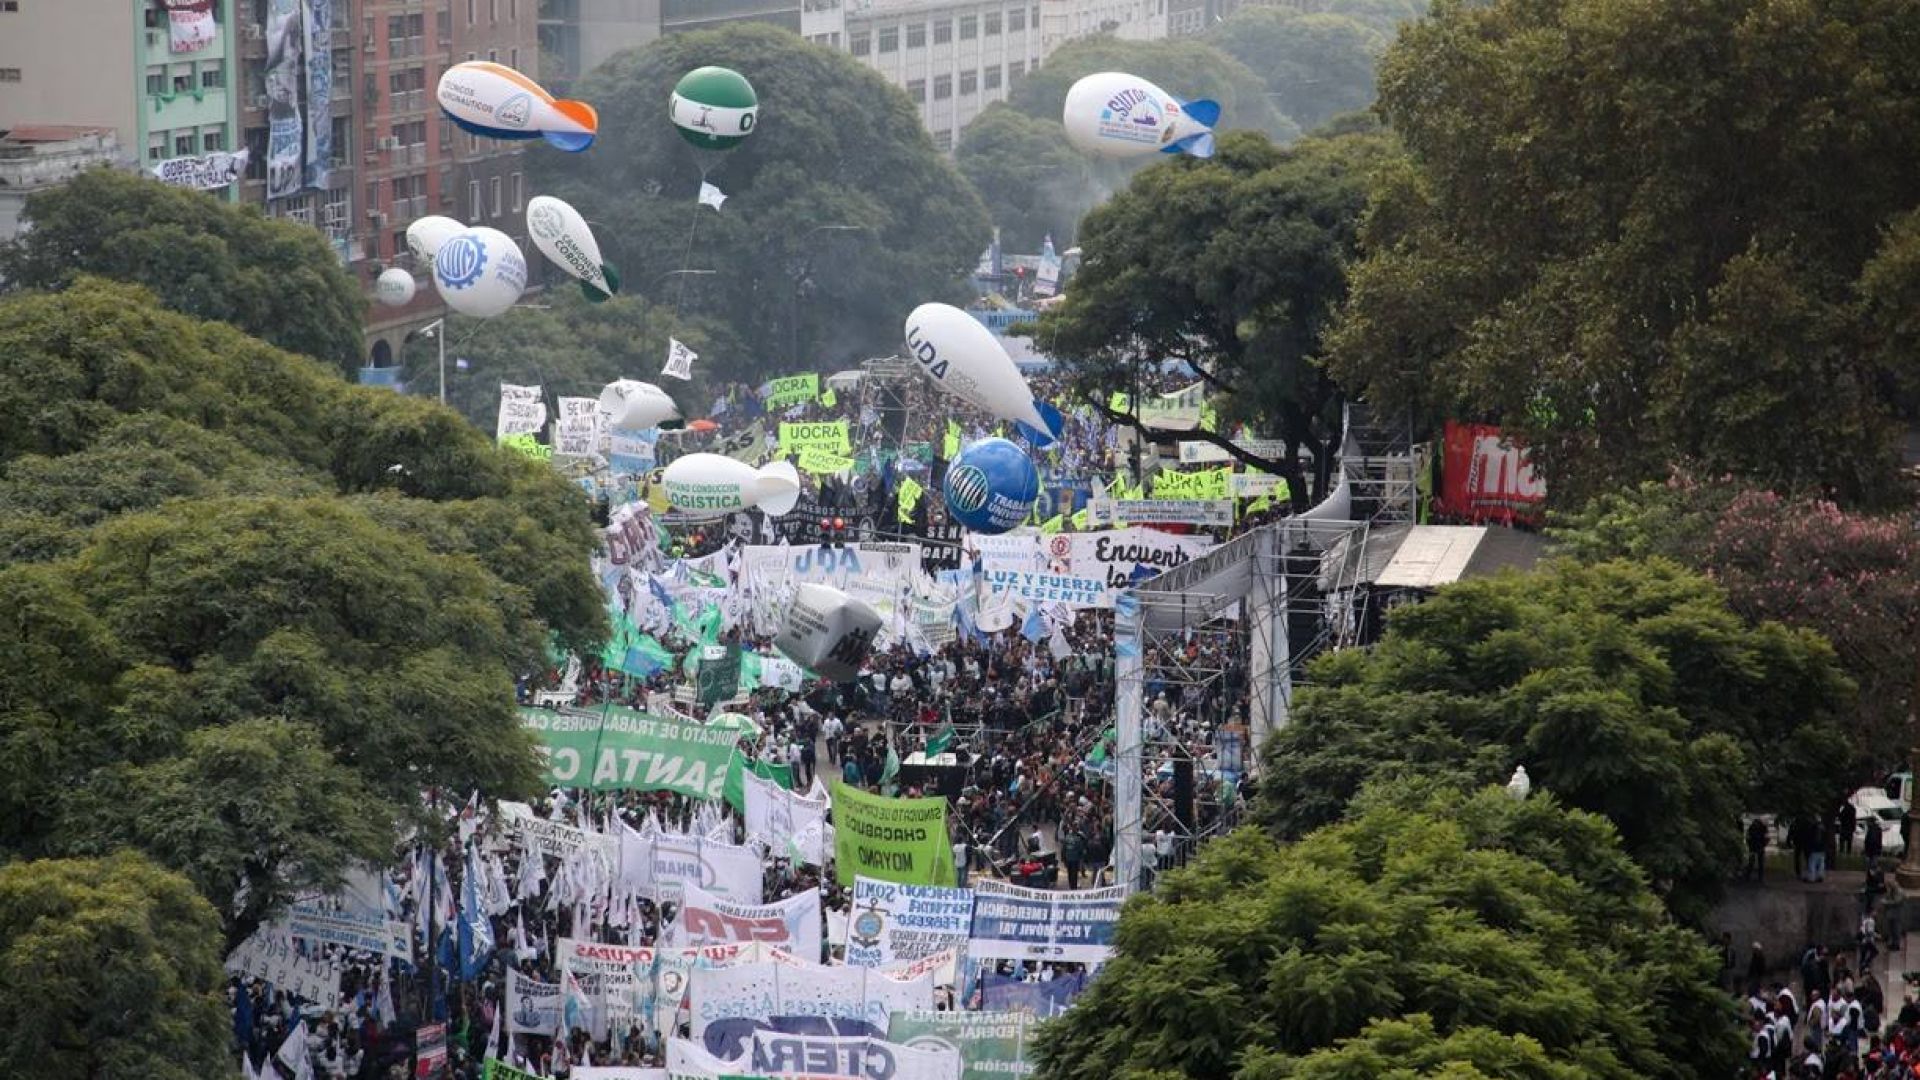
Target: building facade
[
  {"x": 41, "y": 156},
  {"x": 158, "y": 74},
  {"x": 580, "y": 35}
]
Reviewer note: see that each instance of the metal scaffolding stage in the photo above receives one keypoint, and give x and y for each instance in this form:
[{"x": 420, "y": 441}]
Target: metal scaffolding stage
[{"x": 887, "y": 389}]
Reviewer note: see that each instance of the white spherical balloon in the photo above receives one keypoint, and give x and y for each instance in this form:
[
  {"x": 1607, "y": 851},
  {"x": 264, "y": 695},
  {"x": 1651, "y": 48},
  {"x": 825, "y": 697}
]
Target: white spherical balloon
[
  {"x": 426, "y": 234},
  {"x": 394, "y": 287},
  {"x": 480, "y": 272}
]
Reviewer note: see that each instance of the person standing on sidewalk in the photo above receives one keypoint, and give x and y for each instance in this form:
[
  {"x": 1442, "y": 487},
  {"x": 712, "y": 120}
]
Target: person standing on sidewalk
[{"x": 1893, "y": 913}]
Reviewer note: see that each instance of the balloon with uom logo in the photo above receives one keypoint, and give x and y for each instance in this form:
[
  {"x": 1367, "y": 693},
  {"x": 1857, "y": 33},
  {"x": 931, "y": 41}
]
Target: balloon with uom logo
[{"x": 480, "y": 272}]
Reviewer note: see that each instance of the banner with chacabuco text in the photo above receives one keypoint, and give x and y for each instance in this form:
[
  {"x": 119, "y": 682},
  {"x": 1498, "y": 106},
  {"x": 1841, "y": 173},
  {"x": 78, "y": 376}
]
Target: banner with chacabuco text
[
  {"x": 899, "y": 840},
  {"x": 1015, "y": 923},
  {"x": 991, "y": 1045},
  {"x": 892, "y": 922},
  {"x": 624, "y": 750}
]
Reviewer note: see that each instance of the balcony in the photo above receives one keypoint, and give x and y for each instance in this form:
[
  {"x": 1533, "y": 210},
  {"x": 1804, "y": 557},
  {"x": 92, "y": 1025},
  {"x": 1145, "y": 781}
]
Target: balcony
[{"x": 415, "y": 154}]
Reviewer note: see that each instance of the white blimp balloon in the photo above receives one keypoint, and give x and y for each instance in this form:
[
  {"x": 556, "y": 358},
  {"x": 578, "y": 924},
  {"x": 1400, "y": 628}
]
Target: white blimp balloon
[
  {"x": 960, "y": 354},
  {"x": 562, "y": 236},
  {"x": 426, "y": 234},
  {"x": 480, "y": 272},
  {"x": 827, "y": 631},
  {"x": 1117, "y": 115},
  {"x": 630, "y": 403},
  {"x": 494, "y": 100},
  {"x": 394, "y": 287},
  {"x": 708, "y": 486}
]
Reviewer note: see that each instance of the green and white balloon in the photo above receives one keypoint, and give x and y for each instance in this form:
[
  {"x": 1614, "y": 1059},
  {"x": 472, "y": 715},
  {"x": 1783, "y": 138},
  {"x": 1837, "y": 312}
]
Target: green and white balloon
[{"x": 715, "y": 108}]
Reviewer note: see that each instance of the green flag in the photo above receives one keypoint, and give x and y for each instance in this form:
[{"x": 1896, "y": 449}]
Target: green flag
[
  {"x": 950, "y": 449},
  {"x": 898, "y": 840},
  {"x": 941, "y": 740},
  {"x": 828, "y": 398},
  {"x": 909, "y": 492}
]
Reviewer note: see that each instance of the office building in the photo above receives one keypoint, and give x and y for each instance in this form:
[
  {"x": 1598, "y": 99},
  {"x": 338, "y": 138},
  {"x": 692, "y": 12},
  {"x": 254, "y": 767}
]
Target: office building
[{"x": 580, "y": 35}]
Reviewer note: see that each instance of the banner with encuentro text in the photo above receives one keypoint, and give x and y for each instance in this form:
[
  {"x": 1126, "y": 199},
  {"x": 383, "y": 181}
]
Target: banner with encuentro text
[{"x": 899, "y": 840}]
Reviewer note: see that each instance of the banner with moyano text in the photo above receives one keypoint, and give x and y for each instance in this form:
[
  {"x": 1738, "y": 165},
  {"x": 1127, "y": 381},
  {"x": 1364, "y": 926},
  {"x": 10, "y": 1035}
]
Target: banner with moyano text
[{"x": 902, "y": 840}]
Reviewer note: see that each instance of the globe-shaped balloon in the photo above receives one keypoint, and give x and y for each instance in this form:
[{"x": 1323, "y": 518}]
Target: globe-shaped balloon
[
  {"x": 991, "y": 487},
  {"x": 714, "y": 107},
  {"x": 394, "y": 287},
  {"x": 480, "y": 272}
]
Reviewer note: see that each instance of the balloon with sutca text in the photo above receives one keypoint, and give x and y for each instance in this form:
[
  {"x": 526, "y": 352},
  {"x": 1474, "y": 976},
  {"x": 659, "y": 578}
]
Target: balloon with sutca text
[{"x": 991, "y": 487}]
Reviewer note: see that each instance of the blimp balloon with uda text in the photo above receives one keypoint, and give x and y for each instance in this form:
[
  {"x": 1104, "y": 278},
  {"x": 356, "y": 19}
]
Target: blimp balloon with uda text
[
  {"x": 1113, "y": 114},
  {"x": 991, "y": 487},
  {"x": 480, "y": 272},
  {"x": 827, "y": 631},
  {"x": 632, "y": 404},
  {"x": 711, "y": 486},
  {"x": 426, "y": 234},
  {"x": 563, "y": 237},
  {"x": 497, "y": 102},
  {"x": 964, "y": 358}
]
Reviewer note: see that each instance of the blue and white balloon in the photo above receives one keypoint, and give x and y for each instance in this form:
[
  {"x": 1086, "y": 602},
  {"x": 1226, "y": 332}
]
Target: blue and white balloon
[
  {"x": 479, "y": 272},
  {"x": 991, "y": 487}
]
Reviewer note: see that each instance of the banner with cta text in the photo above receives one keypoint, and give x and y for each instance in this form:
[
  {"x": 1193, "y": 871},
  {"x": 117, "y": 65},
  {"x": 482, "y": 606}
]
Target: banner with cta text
[
  {"x": 792, "y": 923},
  {"x": 624, "y": 750},
  {"x": 899, "y": 840}
]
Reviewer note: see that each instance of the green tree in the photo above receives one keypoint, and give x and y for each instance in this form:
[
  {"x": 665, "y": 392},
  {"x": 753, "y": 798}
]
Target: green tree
[
  {"x": 1639, "y": 236},
  {"x": 1439, "y": 933},
  {"x": 1315, "y": 66},
  {"x": 275, "y": 280},
  {"x": 841, "y": 216},
  {"x": 1034, "y": 184},
  {"x": 108, "y": 968},
  {"x": 1032, "y": 179},
  {"x": 1235, "y": 265},
  {"x": 1625, "y": 689}
]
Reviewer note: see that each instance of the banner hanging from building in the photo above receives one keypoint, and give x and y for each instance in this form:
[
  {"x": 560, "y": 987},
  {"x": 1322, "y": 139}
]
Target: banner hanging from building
[
  {"x": 286, "y": 88},
  {"x": 208, "y": 172},
  {"x": 319, "y": 79},
  {"x": 190, "y": 25}
]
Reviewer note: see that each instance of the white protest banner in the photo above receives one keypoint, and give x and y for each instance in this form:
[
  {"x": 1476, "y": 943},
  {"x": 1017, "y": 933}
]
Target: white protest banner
[
  {"x": 1012, "y": 551},
  {"x": 619, "y": 1072},
  {"x": 991, "y": 1045},
  {"x": 1040, "y": 588},
  {"x": 533, "y": 1007},
  {"x": 779, "y": 1054},
  {"x": 1162, "y": 511},
  {"x": 676, "y": 968},
  {"x": 794, "y": 923},
  {"x": 782, "y": 564},
  {"x": 269, "y": 955},
  {"x": 208, "y": 172},
  {"x": 1254, "y": 485},
  {"x": 943, "y": 966},
  {"x": 576, "y": 430},
  {"x": 679, "y": 360},
  {"x": 389, "y": 936},
  {"x": 1015, "y": 923},
  {"x": 522, "y": 412},
  {"x": 657, "y": 865},
  {"x": 768, "y": 989},
  {"x": 1117, "y": 555},
  {"x": 619, "y": 978},
  {"x": 1178, "y": 411},
  {"x": 688, "y": 1060},
  {"x": 786, "y": 821},
  {"x": 891, "y": 923},
  {"x": 553, "y": 838}
]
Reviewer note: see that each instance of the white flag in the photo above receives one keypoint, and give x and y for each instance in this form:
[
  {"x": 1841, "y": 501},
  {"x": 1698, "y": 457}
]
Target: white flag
[
  {"x": 522, "y": 412},
  {"x": 293, "y": 1053},
  {"x": 711, "y": 196},
  {"x": 679, "y": 360}
]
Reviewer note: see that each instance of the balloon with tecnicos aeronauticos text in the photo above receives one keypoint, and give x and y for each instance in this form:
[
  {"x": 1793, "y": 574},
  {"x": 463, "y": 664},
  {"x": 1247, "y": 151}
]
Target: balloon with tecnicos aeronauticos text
[
  {"x": 966, "y": 360},
  {"x": 827, "y": 631},
  {"x": 991, "y": 487},
  {"x": 563, "y": 237},
  {"x": 715, "y": 108},
  {"x": 495, "y": 101},
  {"x": 480, "y": 272},
  {"x": 394, "y": 287},
  {"x": 710, "y": 486},
  {"x": 1116, "y": 115}
]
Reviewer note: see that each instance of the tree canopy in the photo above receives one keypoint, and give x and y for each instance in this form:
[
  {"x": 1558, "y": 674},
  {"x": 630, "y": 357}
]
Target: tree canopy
[
  {"x": 840, "y": 217},
  {"x": 1316, "y": 66},
  {"x": 1627, "y": 689},
  {"x": 109, "y": 967},
  {"x": 1635, "y": 235},
  {"x": 275, "y": 280},
  {"x": 1235, "y": 265},
  {"x": 270, "y": 608},
  {"x": 1034, "y": 184},
  {"x": 1429, "y": 935}
]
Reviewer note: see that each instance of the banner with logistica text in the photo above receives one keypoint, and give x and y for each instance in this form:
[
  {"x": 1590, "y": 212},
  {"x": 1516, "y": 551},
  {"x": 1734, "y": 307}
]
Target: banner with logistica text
[{"x": 899, "y": 840}]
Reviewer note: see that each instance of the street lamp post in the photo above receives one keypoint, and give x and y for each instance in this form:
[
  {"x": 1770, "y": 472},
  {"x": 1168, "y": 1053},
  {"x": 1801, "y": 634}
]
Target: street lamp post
[{"x": 437, "y": 329}]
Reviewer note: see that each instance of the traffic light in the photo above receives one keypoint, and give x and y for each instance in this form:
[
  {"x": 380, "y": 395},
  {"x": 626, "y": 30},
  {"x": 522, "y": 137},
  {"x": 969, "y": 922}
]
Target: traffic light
[{"x": 833, "y": 531}]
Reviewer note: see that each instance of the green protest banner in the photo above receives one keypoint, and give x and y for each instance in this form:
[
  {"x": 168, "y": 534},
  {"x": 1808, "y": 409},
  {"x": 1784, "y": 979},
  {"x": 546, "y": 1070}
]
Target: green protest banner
[
  {"x": 823, "y": 462},
  {"x": 1202, "y": 484},
  {"x": 496, "y": 1069},
  {"x": 719, "y": 676},
  {"x": 827, "y": 436},
  {"x": 624, "y": 750},
  {"x": 899, "y": 840},
  {"x": 793, "y": 390},
  {"x": 992, "y": 1045}
]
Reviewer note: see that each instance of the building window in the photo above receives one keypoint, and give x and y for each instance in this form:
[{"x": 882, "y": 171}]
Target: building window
[
  {"x": 183, "y": 79},
  {"x": 213, "y": 142},
  {"x": 446, "y": 134},
  {"x": 156, "y": 146},
  {"x": 493, "y": 11},
  {"x": 373, "y": 195},
  {"x": 917, "y": 36},
  {"x": 942, "y": 87},
  {"x": 513, "y": 59},
  {"x": 493, "y": 188},
  {"x": 519, "y": 192},
  {"x": 470, "y": 19},
  {"x": 860, "y": 43},
  {"x": 969, "y": 83},
  {"x": 493, "y": 56},
  {"x": 183, "y": 144},
  {"x": 942, "y": 31},
  {"x": 1033, "y": 16},
  {"x": 213, "y": 75},
  {"x": 917, "y": 90},
  {"x": 1015, "y": 69},
  {"x": 8, "y": 7},
  {"x": 890, "y": 39},
  {"x": 992, "y": 21},
  {"x": 473, "y": 200},
  {"x": 156, "y": 80},
  {"x": 969, "y": 27},
  {"x": 1016, "y": 19},
  {"x": 943, "y": 140},
  {"x": 992, "y": 77}
]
